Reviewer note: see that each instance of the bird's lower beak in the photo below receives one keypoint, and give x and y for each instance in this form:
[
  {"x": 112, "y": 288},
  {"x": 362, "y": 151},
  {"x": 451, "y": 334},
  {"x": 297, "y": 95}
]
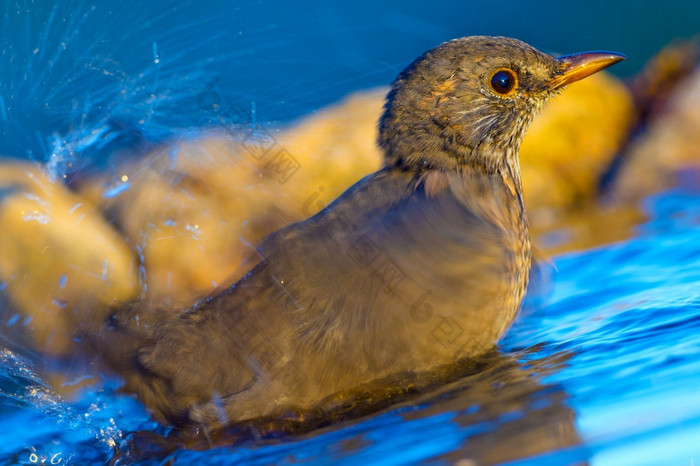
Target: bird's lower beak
[{"x": 580, "y": 65}]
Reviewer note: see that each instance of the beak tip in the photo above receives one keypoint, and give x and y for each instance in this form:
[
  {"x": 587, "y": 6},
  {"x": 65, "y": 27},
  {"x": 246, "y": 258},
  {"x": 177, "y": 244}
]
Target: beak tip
[
  {"x": 617, "y": 57},
  {"x": 580, "y": 65}
]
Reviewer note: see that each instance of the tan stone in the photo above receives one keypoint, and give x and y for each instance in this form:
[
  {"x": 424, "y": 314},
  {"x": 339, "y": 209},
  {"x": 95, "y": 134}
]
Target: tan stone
[{"x": 61, "y": 263}]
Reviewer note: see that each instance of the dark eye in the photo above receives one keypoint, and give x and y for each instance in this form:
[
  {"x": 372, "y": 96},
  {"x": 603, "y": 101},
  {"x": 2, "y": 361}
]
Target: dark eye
[{"x": 504, "y": 81}]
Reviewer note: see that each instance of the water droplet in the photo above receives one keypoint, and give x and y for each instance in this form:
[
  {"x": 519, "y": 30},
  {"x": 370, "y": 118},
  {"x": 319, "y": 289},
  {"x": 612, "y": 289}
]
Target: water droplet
[
  {"x": 115, "y": 191},
  {"x": 156, "y": 57},
  {"x": 37, "y": 216}
]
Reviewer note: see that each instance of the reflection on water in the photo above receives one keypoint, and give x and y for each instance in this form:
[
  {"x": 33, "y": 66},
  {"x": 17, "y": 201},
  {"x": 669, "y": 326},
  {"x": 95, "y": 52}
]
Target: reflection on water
[
  {"x": 604, "y": 369},
  {"x": 500, "y": 413},
  {"x": 503, "y": 404}
]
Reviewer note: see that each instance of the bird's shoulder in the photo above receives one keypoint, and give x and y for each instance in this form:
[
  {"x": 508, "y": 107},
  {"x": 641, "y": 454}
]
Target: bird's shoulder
[{"x": 374, "y": 194}]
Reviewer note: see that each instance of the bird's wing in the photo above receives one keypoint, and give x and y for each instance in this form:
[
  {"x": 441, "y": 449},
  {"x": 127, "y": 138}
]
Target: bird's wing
[
  {"x": 177, "y": 360},
  {"x": 171, "y": 360}
]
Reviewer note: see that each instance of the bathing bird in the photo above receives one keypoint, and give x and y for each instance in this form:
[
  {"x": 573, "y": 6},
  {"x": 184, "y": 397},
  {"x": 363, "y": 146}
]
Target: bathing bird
[{"x": 418, "y": 265}]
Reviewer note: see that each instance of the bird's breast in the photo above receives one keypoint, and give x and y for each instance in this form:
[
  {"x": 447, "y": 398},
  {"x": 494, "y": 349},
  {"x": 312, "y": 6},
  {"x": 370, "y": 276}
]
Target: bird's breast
[{"x": 436, "y": 277}]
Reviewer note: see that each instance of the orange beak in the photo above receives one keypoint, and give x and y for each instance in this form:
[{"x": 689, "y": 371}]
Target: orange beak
[{"x": 580, "y": 65}]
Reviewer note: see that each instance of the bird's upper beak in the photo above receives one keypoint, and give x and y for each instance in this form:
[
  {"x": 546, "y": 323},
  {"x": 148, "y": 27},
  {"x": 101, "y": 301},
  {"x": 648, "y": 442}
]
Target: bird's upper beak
[{"x": 580, "y": 65}]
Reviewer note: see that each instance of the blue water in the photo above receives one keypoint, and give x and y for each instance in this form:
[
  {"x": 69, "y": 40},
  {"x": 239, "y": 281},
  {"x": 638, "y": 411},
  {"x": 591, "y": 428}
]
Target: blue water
[
  {"x": 630, "y": 313},
  {"x": 604, "y": 369}
]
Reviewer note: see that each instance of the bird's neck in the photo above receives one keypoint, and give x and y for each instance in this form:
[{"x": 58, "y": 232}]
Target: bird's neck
[
  {"x": 493, "y": 175},
  {"x": 496, "y": 193},
  {"x": 509, "y": 171},
  {"x": 454, "y": 153}
]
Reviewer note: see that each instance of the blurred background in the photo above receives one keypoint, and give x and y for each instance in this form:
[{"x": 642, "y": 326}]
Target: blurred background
[
  {"x": 141, "y": 66},
  {"x": 600, "y": 367}
]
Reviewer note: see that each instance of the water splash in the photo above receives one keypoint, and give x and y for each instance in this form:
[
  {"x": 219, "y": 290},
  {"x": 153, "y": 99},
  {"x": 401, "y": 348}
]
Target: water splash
[
  {"x": 23, "y": 388},
  {"x": 94, "y": 98}
]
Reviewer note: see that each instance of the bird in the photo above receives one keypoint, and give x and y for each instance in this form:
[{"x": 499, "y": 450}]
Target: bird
[{"x": 416, "y": 266}]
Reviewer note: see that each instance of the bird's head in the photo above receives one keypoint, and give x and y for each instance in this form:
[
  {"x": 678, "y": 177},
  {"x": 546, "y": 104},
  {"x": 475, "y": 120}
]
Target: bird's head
[{"x": 470, "y": 101}]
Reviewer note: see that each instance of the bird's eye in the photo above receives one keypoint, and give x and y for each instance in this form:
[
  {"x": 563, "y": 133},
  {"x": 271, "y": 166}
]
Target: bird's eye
[{"x": 504, "y": 81}]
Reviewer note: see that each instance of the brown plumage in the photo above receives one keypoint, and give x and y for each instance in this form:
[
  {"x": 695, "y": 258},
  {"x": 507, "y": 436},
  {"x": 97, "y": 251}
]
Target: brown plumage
[{"x": 418, "y": 265}]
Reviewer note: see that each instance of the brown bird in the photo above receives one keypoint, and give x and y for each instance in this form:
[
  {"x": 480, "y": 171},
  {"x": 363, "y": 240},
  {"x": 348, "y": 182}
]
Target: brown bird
[{"x": 416, "y": 266}]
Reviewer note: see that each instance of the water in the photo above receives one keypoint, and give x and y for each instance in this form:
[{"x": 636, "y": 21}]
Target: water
[
  {"x": 604, "y": 370},
  {"x": 628, "y": 314}
]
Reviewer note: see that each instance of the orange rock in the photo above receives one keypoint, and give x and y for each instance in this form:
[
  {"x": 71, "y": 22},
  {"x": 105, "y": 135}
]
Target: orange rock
[
  {"x": 571, "y": 144},
  {"x": 669, "y": 150},
  {"x": 335, "y": 148},
  {"x": 184, "y": 209},
  {"x": 195, "y": 210},
  {"x": 60, "y": 261}
]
